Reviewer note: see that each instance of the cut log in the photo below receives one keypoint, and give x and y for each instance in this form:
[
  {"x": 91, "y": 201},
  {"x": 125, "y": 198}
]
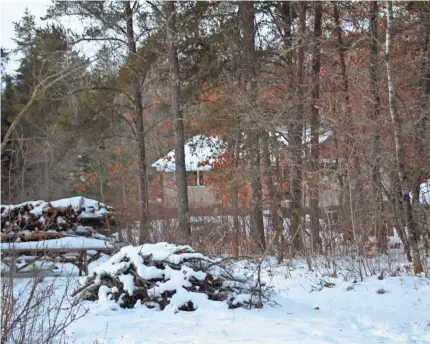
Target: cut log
[{"x": 37, "y": 217}]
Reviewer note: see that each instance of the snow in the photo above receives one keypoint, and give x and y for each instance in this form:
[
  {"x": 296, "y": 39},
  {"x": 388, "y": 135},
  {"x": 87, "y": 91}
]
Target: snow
[
  {"x": 67, "y": 242},
  {"x": 158, "y": 252},
  {"x": 174, "y": 280},
  {"x": 242, "y": 298},
  {"x": 392, "y": 240},
  {"x": 324, "y": 134},
  {"x": 60, "y": 220},
  {"x": 39, "y": 265},
  {"x": 346, "y": 313},
  {"x": 104, "y": 302},
  {"x": 425, "y": 193},
  {"x": 128, "y": 281},
  {"x": 200, "y": 152},
  {"x": 349, "y": 312}
]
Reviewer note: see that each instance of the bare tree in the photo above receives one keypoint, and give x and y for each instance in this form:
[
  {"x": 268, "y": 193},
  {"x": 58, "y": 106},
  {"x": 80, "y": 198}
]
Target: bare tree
[
  {"x": 38, "y": 93},
  {"x": 315, "y": 129},
  {"x": 399, "y": 145},
  {"x": 374, "y": 116},
  {"x": 34, "y": 311}
]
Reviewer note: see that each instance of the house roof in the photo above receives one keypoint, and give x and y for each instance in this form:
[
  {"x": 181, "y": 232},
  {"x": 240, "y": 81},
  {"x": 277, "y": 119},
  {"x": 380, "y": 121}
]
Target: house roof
[
  {"x": 200, "y": 152},
  {"x": 324, "y": 134},
  {"x": 425, "y": 193}
]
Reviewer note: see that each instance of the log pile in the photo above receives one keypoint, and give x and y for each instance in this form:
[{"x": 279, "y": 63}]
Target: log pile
[
  {"x": 166, "y": 276},
  {"x": 50, "y": 220}
]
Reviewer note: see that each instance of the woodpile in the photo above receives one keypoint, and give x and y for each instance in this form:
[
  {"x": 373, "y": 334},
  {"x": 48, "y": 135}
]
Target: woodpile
[
  {"x": 163, "y": 275},
  {"x": 50, "y": 220}
]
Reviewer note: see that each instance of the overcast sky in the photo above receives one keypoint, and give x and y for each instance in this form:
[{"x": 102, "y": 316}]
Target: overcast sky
[{"x": 12, "y": 11}]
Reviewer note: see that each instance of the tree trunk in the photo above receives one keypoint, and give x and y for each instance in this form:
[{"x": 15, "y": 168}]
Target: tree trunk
[
  {"x": 296, "y": 130},
  {"x": 345, "y": 129},
  {"x": 279, "y": 212},
  {"x": 285, "y": 12},
  {"x": 180, "y": 168},
  {"x": 398, "y": 138},
  {"x": 421, "y": 122},
  {"x": 46, "y": 178},
  {"x": 235, "y": 151},
  {"x": 250, "y": 85},
  {"x": 396, "y": 198},
  {"x": 235, "y": 197},
  {"x": 273, "y": 201},
  {"x": 315, "y": 127},
  {"x": 380, "y": 233},
  {"x": 256, "y": 206},
  {"x": 140, "y": 131}
]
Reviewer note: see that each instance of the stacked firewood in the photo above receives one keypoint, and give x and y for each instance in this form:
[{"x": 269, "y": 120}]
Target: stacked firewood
[
  {"x": 41, "y": 220},
  {"x": 164, "y": 275}
]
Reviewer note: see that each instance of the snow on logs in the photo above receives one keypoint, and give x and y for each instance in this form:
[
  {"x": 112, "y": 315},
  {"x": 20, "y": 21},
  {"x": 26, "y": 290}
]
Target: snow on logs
[
  {"x": 37, "y": 220},
  {"x": 166, "y": 276}
]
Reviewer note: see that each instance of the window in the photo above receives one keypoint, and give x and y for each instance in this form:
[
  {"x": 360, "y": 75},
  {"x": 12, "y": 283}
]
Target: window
[
  {"x": 195, "y": 178},
  {"x": 328, "y": 167},
  {"x": 192, "y": 178},
  {"x": 202, "y": 180}
]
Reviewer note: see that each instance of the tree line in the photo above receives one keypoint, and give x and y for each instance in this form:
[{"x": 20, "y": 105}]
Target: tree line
[{"x": 102, "y": 101}]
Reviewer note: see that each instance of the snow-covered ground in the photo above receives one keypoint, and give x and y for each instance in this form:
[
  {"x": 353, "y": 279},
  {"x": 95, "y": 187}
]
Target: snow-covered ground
[{"x": 388, "y": 310}]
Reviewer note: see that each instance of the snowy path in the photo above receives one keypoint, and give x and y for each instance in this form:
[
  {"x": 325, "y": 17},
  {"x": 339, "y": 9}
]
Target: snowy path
[{"x": 360, "y": 315}]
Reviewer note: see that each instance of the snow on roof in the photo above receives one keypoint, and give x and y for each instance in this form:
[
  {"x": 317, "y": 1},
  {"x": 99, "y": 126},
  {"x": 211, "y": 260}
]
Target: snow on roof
[
  {"x": 200, "y": 152},
  {"x": 324, "y": 134},
  {"x": 425, "y": 193}
]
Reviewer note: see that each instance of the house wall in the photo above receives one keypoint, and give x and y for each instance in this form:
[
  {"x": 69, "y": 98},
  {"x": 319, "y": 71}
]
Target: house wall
[
  {"x": 203, "y": 196},
  {"x": 198, "y": 196}
]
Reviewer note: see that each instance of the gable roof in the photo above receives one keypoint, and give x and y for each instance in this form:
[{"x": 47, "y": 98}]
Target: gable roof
[
  {"x": 200, "y": 152},
  {"x": 324, "y": 135}
]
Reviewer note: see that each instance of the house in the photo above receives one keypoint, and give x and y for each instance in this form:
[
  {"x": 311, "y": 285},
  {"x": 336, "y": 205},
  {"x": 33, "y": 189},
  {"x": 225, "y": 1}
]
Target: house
[{"x": 200, "y": 153}]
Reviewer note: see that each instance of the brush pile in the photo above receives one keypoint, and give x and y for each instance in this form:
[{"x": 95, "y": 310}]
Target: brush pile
[
  {"x": 37, "y": 220},
  {"x": 166, "y": 276}
]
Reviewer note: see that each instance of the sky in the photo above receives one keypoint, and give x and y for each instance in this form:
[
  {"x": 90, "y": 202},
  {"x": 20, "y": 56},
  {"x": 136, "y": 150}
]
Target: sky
[{"x": 12, "y": 11}]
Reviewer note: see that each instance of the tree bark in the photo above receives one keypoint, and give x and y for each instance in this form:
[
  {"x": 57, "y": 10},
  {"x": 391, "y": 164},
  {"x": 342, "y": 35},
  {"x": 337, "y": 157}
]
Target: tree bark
[
  {"x": 315, "y": 127},
  {"x": 279, "y": 212},
  {"x": 380, "y": 233},
  {"x": 140, "y": 130},
  {"x": 180, "y": 168},
  {"x": 286, "y": 13},
  {"x": 396, "y": 200},
  {"x": 253, "y": 140},
  {"x": 235, "y": 196},
  {"x": 398, "y": 139},
  {"x": 274, "y": 203},
  {"x": 345, "y": 129},
  {"x": 235, "y": 155},
  {"x": 421, "y": 122},
  {"x": 296, "y": 130}
]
